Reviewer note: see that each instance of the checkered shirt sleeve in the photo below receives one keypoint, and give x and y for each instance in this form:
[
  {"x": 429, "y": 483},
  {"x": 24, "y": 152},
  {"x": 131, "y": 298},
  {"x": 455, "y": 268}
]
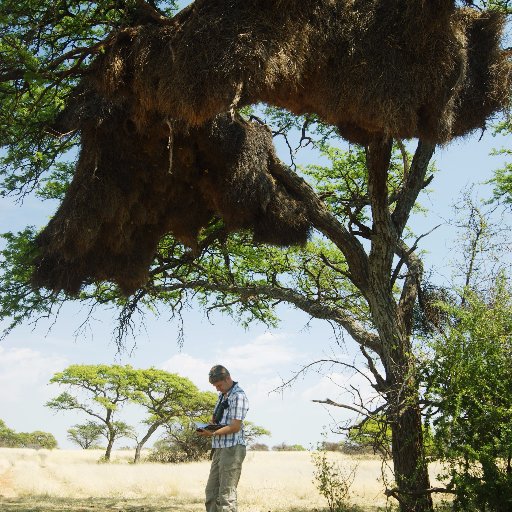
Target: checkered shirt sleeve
[{"x": 236, "y": 410}]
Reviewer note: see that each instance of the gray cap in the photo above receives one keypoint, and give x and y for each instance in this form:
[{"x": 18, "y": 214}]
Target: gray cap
[{"x": 218, "y": 372}]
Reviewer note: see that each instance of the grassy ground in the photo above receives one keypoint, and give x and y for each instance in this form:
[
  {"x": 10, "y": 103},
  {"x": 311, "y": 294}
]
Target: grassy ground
[{"x": 74, "y": 481}]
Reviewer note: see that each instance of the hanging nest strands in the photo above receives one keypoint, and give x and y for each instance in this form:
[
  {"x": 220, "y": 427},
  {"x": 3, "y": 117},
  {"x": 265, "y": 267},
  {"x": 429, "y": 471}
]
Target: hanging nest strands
[
  {"x": 127, "y": 193},
  {"x": 403, "y": 68},
  {"x": 160, "y": 155}
]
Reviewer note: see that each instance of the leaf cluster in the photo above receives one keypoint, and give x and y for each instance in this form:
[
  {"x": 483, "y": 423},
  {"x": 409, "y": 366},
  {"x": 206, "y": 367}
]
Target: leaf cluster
[
  {"x": 468, "y": 389},
  {"x": 38, "y": 439},
  {"x": 45, "y": 48}
]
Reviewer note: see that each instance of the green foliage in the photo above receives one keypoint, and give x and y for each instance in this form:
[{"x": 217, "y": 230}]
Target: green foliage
[
  {"x": 105, "y": 386},
  {"x": 253, "y": 432},
  {"x": 180, "y": 444},
  {"x": 167, "y": 395},
  {"x": 373, "y": 434},
  {"x": 85, "y": 435},
  {"x": 38, "y": 439},
  {"x": 7, "y": 436},
  {"x": 332, "y": 481},
  {"x": 469, "y": 390},
  {"x": 502, "y": 181},
  {"x": 283, "y": 447},
  {"x": 45, "y": 48},
  {"x": 168, "y": 398}
]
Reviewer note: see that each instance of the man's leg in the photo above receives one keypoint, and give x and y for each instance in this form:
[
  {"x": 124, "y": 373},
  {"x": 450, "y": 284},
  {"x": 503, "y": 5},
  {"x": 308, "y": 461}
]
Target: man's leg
[
  {"x": 212, "y": 487},
  {"x": 230, "y": 468}
]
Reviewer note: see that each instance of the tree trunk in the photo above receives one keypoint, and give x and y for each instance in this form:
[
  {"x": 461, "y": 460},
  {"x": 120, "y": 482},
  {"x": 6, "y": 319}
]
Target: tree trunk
[
  {"x": 142, "y": 442},
  {"x": 110, "y": 444},
  {"x": 410, "y": 466},
  {"x": 404, "y": 415},
  {"x": 138, "y": 449},
  {"x": 391, "y": 322}
]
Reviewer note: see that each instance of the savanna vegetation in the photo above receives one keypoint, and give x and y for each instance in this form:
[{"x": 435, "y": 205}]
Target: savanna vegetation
[
  {"x": 155, "y": 131},
  {"x": 171, "y": 404},
  {"x": 9, "y": 438}
]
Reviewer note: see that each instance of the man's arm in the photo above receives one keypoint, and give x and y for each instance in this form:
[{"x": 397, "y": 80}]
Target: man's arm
[{"x": 232, "y": 428}]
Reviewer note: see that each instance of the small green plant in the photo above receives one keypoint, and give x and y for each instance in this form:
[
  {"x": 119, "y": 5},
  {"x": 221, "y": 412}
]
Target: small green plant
[{"x": 332, "y": 481}]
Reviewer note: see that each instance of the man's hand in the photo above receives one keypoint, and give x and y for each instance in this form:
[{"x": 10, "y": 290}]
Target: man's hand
[
  {"x": 205, "y": 433},
  {"x": 232, "y": 428}
]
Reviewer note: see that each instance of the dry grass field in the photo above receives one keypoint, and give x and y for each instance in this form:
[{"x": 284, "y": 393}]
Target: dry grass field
[{"x": 73, "y": 480}]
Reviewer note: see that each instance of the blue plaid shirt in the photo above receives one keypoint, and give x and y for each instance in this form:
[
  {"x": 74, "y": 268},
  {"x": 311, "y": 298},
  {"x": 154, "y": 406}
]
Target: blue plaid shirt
[{"x": 237, "y": 408}]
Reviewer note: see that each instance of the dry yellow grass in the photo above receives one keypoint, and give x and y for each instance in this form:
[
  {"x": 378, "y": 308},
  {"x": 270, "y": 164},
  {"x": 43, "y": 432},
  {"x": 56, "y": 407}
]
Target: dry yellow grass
[{"x": 74, "y": 480}]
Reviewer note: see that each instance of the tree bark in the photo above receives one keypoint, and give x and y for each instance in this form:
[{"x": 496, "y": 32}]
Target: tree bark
[
  {"x": 402, "y": 394},
  {"x": 138, "y": 448},
  {"x": 110, "y": 444}
]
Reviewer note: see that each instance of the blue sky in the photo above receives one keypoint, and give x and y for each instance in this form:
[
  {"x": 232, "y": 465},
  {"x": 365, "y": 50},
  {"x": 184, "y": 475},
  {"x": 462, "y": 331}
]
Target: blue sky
[{"x": 260, "y": 359}]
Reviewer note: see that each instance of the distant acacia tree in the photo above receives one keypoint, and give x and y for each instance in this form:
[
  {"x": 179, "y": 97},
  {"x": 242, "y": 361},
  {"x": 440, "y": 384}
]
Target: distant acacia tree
[
  {"x": 85, "y": 435},
  {"x": 166, "y": 397},
  {"x": 99, "y": 391}
]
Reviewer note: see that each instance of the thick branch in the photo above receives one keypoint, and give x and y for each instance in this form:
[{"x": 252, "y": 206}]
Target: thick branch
[
  {"x": 327, "y": 224},
  {"x": 378, "y": 157},
  {"x": 315, "y": 309},
  {"x": 415, "y": 181}
]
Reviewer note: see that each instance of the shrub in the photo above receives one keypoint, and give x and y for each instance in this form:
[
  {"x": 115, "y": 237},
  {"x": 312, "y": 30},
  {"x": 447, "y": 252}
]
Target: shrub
[
  {"x": 180, "y": 444},
  {"x": 283, "y": 447},
  {"x": 259, "y": 447},
  {"x": 332, "y": 481}
]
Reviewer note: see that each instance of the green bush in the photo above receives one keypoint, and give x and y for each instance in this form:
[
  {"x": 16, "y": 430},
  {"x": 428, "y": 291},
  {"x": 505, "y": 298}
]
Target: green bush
[
  {"x": 283, "y": 447},
  {"x": 38, "y": 439},
  {"x": 180, "y": 444},
  {"x": 332, "y": 482}
]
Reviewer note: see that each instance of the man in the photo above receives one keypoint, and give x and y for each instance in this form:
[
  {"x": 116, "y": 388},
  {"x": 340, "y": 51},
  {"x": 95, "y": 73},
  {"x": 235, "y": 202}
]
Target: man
[{"x": 228, "y": 443}]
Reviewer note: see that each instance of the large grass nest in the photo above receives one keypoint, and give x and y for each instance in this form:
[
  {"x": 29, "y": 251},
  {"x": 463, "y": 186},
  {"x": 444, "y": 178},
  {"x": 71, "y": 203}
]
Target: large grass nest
[
  {"x": 132, "y": 188},
  {"x": 159, "y": 154},
  {"x": 403, "y": 68}
]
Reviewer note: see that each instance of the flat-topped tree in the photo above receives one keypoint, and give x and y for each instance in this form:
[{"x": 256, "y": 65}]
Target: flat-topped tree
[{"x": 166, "y": 163}]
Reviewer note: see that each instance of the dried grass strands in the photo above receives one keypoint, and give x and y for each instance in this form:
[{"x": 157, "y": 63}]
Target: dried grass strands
[
  {"x": 396, "y": 67},
  {"x": 124, "y": 198}
]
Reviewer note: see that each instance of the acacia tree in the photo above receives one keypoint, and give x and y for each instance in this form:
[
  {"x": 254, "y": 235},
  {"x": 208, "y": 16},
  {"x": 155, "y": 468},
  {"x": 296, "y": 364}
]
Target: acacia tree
[
  {"x": 106, "y": 390},
  {"x": 165, "y": 397},
  {"x": 86, "y": 434},
  {"x": 363, "y": 275}
]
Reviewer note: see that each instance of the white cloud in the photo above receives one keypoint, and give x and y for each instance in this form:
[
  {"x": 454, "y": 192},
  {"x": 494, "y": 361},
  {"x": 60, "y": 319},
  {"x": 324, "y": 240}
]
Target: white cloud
[
  {"x": 187, "y": 366},
  {"x": 255, "y": 364},
  {"x": 260, "y": 356},
  {"x": 250, "y": 362},
  {"x": 26, "y": 372}
]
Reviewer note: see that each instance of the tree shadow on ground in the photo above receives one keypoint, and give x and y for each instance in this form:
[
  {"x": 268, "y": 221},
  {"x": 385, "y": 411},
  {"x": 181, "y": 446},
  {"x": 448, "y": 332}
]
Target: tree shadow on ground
[{"x": 52, "y": 504}]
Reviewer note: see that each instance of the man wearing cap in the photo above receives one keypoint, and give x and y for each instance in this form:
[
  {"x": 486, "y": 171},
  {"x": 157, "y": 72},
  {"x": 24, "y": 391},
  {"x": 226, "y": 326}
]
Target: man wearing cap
[{"x": 228, "y": 443}]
